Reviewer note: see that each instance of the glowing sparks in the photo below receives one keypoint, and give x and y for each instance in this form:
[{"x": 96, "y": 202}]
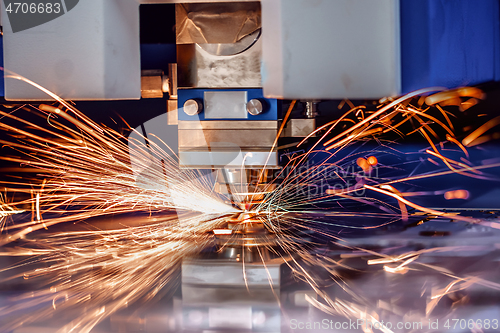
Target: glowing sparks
[
  {"x": 446, "y": 96},
  {"x": 84, "y": 171},
  {"x": 469, "y": 140}
]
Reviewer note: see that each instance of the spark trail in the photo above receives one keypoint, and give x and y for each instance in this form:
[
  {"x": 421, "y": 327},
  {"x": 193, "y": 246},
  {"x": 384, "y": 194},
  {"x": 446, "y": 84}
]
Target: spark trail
[{"x": 82, "y": 171}]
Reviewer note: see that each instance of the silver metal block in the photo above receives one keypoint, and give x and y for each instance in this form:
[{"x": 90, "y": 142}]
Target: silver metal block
[
  {"x": 330, "y": 49},
  {"x": 217, "y": 272},
  {"x": 227, "y": 159},
  {"x": 89, "y": 53},
  {"x": 220, "y": 295},
  {"x": 227, "y": 144},
  {"x": 299, "y": 128},
  {"x": 198, "y": 68},
  {"x": 225, "y": 104},
  {"x": 219, "y": 139}
]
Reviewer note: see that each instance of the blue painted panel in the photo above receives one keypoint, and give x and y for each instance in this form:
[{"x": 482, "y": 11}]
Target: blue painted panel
[
  {"x": 497, "y": 43},
  {"x": 449, "y": 42},
  {"x": 185, "y": 94},
  {"x": 414, "y": 44}
]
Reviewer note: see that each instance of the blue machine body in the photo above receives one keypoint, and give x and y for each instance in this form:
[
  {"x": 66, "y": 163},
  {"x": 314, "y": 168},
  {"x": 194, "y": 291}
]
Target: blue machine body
[{"x": 449, "y": 43}]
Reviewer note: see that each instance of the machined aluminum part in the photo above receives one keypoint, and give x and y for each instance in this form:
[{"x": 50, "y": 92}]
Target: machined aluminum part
[
  {"x": 299, "y": 128},
  {"x": 227, "y": 144}
]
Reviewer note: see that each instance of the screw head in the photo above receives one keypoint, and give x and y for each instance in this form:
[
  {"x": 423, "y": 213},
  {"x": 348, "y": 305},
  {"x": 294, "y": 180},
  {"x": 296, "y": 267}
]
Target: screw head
[
  {"x": 255, "y": 107},
  {"x": 192, "y": 107}
]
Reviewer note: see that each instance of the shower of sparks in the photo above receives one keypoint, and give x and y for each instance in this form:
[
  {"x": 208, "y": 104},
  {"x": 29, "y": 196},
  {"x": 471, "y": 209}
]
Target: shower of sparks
[
  {"x": 82, "y": 171},
  {"x": 5, "y": 211}
]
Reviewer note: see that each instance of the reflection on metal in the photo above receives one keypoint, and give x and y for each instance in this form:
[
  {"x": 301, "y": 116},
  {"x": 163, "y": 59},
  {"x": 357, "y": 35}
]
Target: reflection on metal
[
  {"x": 216, "y": 22},
  {"x": 229, "y": 49},
  {"x": 228, "y": 273}
]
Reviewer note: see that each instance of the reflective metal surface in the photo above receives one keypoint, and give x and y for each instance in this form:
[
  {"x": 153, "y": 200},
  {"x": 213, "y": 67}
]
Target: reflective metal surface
[
  {"x": 229, "y": 49},
  {"x": 192, "y": 107},
  {"x": 255, "y": 107},
  {"x": 217, "y": 23},
  {"x": 200, "y": 69}
]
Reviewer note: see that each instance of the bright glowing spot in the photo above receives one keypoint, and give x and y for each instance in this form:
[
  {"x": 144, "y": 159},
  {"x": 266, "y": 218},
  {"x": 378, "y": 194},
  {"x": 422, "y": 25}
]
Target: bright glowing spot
[
  {"x": 372, "y": 160},
  {"x": 396, "y": 270},
  {"x": 223, "y": 231},
  {"x": 363, "y": 164},
  {"x": 49, "y": 108},
  {"x": 458, "y": 194}
]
